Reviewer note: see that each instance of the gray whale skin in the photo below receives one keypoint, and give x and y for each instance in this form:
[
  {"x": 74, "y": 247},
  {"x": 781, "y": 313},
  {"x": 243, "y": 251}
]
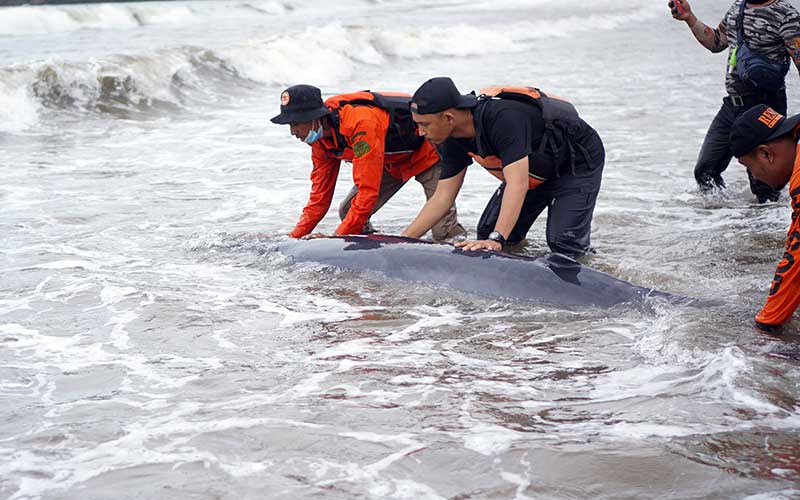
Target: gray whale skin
[{"x": 553, "y": 279}]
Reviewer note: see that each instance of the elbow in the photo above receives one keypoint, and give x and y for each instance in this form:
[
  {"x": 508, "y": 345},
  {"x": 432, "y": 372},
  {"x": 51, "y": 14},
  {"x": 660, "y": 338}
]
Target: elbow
[
  {"x": 439, "y": 204},
  {"x": 518, "y": 187}
]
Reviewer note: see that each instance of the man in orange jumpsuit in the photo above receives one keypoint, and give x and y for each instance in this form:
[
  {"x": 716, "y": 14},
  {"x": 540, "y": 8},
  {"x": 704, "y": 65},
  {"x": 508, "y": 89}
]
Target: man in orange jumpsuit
[
  {"x": 376, "y": 134},
  {"x": 767, "y": 143}
]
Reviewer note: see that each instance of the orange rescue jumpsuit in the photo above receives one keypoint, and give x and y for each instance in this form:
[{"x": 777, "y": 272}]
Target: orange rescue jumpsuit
[
  {"x": 784, "y": 295},
  {"x": 363, "y": 129}
]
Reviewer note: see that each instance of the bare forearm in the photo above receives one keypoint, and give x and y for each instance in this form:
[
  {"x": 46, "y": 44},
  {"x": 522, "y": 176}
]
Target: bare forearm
[
  {"x": 714, "y": 40},
  {"x": 433, "y": 211}
]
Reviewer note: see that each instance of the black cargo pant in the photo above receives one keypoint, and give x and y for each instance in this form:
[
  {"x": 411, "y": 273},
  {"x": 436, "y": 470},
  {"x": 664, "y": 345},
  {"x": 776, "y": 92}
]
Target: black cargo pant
[
  {"x": 715, "y": 155},
  {"x": 570, "y": 201}
]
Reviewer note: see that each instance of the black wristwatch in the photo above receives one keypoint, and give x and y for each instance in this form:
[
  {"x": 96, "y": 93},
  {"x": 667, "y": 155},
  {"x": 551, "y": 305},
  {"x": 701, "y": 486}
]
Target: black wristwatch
[{"x": 495, "y": 236}]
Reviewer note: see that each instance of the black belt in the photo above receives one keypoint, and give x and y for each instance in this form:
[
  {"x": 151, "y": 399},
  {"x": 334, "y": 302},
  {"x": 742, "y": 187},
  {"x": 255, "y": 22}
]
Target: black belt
[{"x": 758, "y": 97}]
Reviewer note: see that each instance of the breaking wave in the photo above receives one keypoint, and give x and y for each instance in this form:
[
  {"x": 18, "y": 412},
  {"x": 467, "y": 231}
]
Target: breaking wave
[
  {"x": 122, "y": 84},
  {"x": 172, "y": 78},
  {"x": 31, "y": 20}
]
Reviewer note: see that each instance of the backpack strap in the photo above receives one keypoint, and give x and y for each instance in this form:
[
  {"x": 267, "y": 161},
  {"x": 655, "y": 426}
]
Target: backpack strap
[
  {"x": 401, "y": 134},
  {"x": 561, "y": 122},
  {"x": 740, "y": 24},
  {"x": 477, "y": 111},
  {"x": 378, "y": 101},
  {"x": 338, "y": 138}
]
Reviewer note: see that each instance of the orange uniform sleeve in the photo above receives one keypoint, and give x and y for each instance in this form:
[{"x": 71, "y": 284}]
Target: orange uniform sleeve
[
  {"x": 323, "y": 183},
  {"x": 784, "y": 294},
  {"x": 366, "y": 128}
]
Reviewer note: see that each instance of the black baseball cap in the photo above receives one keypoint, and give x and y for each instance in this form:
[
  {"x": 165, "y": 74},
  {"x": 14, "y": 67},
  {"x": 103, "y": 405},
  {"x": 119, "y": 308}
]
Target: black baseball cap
[
  {"x": 759, "y": 125},
  {"x": 300, "y": 104},
  {"x": 439, "y": 94}
]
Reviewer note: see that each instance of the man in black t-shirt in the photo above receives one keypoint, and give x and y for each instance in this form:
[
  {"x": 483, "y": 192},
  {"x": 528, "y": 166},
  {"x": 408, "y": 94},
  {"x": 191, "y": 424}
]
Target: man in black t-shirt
[{"x": 544, "y": 154}]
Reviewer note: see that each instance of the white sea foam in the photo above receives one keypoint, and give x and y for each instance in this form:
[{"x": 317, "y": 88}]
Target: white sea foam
[
  {"x": 338, "y": 52},
  {"x": 637, "y": 431},
  {"x": 334, "y": 49},
  {"x": 406, "y": 489},
  {"x": 567, "y": 26},
  {"x": 775, "y": 495},
  {"x": 348, "y": 348},
  {"x": 521, "y": 481},
  {"x": 129, "y": 450},
  {"x": 224, "y": 343},
  {"x": 119, "y": 335},
  {"x": 313, "y": 308},
  {"x": 451, "y": 41},
  {"x": 467, "y": 40},
  {"x": 410, "y": 445},
  {"x": 68, "y": 264},
  {"x": 11, "y": 305},
  {"x": 19, "y": 111},
  {"x": 489, "y": 439},
  {"x": 430, "y": 319},
  {"x": 27, "y": 20},
  {"x": 16, "y": 329},
  {"x": 114, "y": 294},
  {"x": 642, "y": 380},
  {"x": 64, "y": 293},
  {"x": 412, "y": 380},
  {"x": 726, "y": 373},
  {"x": 309, "y": 386},
  {"x": 36, "y": 345}
]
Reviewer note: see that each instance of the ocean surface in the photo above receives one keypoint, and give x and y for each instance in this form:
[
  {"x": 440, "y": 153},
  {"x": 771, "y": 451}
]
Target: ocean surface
[{"x": 154, "y": 345}]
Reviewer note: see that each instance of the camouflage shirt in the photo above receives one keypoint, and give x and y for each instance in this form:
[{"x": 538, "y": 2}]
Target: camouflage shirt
[{"x": 771, "y": 31}]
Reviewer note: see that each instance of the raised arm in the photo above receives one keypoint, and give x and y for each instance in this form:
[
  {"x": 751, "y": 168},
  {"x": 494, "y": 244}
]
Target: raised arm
[
  {"x": 715, "y": 40},
  {"x": 790, "y": 33}
]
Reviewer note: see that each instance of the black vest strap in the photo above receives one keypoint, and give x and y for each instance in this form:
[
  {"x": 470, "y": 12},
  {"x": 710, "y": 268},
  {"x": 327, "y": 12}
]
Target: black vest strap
[
  {"x": 341, "y": 143},
  {"x": 740, "y": 24},
  {"x": 561, "y": 123},
  {"x": 401, "y": 135}
]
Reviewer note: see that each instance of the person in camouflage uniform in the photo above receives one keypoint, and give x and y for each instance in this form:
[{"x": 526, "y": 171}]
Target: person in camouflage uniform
[{"x": 772, "y": 29}]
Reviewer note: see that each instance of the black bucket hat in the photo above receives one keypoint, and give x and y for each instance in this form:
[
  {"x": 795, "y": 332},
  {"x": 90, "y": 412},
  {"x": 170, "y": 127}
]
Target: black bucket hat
[
  {"x": 300, "y": 104},
  {"x": 759, "y": 125}
]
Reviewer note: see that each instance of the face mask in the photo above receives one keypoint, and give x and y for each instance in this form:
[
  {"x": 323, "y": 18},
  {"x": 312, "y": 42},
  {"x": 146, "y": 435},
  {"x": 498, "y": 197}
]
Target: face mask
[{"x": 314, "y": 135}]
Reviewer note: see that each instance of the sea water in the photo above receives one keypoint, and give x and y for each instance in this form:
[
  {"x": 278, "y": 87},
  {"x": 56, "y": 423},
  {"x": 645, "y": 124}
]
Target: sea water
[{"x": 154, "y": 345}]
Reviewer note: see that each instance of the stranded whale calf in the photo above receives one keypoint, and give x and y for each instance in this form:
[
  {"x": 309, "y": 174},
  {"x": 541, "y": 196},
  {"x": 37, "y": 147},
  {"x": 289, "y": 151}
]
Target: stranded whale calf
[{"x": 554, "y": 279}]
